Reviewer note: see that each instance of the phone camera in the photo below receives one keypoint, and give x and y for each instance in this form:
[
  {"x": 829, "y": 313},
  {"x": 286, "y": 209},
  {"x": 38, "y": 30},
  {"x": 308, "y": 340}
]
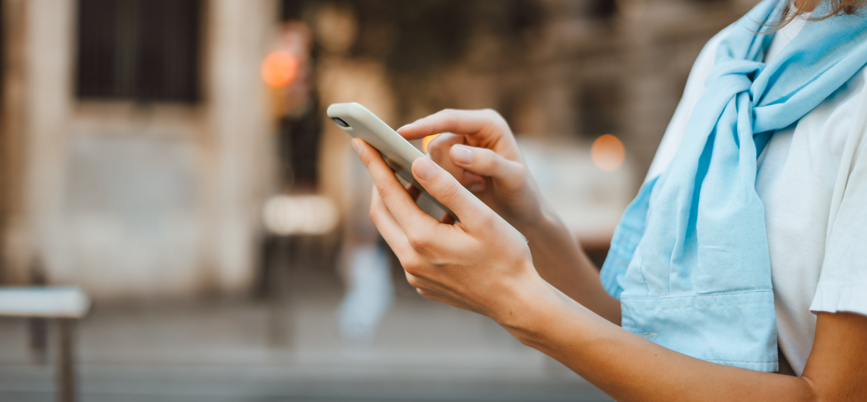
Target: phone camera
[{"x": 340, "y": 122}]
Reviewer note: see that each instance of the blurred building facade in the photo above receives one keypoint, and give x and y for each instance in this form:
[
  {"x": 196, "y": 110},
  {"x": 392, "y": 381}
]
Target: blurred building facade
[
  {"x": 137, "y": 144},
  {"x": 133, "y": 142}
]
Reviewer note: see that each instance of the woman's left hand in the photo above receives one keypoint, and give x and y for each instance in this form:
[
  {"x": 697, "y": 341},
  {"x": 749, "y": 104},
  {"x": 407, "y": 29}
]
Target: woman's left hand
[{"x": 480, "y": 264}]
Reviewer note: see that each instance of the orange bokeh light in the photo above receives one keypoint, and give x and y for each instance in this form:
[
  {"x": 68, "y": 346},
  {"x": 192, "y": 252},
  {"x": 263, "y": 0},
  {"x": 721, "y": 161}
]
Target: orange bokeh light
[
  {"x": 279, "y": 69},
  {"x": 608, "y": 152},
  {"x": 426, "y": 141}
]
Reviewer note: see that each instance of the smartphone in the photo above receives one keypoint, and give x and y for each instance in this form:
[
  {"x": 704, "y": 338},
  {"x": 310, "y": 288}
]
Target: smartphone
[{"x": 397, "y": 152}]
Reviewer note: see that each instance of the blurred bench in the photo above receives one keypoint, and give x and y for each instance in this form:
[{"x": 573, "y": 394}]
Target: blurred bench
[{"x": 63, "y": 305}]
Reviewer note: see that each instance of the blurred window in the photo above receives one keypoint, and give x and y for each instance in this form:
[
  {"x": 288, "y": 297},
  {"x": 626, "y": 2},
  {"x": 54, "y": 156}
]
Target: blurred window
[
  {"x": 599, "y": 103},
  {"x": 140, "y": 50},
  {"x": 602, "y": 8}
]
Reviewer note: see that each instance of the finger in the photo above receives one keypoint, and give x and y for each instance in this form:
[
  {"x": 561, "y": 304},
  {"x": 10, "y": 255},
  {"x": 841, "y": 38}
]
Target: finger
[
  {"x": 446, "y": 189},
  {"x": 439, "y": 153},
  {"x": 395, "y": 197},
  {"x": 464, "y": 122},
  {"x": 388, "y": 227},
  {"x": 485, "y": 162}
]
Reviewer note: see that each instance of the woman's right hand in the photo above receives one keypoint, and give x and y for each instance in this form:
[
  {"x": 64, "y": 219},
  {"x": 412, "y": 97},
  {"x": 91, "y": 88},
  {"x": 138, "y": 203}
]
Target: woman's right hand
[{"x": 478, "y": 148}]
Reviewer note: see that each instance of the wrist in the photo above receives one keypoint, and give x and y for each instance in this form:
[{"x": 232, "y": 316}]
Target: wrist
[
  {"x": 545, "y": 219},
  {"x": 548, "y": 229},
  {"x": 529, "y": 301}
]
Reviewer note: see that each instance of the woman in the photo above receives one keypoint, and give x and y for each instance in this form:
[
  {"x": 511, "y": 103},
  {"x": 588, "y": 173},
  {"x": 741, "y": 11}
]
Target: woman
[{"x": 751, "y": 221}]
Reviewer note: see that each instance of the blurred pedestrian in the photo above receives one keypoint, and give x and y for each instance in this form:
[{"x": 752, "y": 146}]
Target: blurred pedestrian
[{"x": 365, "y": 265}]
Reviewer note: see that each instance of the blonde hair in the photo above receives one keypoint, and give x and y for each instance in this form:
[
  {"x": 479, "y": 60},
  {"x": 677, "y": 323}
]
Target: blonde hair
[{"x": 798, "y": 8}]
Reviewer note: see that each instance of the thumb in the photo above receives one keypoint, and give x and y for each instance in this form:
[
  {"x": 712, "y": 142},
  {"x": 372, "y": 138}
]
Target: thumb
[
  {"x": 448, "y": 191},
  {"x": 485, "y": 162}
]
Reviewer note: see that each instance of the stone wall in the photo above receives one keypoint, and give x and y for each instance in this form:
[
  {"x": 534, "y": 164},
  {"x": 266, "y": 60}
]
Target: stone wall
[
  {"x": 130, "y": 200},
  {"x": 148, "y": 201}
]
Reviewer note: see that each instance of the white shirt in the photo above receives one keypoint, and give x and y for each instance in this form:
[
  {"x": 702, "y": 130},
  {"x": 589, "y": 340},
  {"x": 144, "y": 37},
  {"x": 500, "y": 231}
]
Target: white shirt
[{"x": 812, "y": 179}]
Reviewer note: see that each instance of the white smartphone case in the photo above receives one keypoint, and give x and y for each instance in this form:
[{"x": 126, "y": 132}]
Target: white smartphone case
[{"x": 396, "y": 150}]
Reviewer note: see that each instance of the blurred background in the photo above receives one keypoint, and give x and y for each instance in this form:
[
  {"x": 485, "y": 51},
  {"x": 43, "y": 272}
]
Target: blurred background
[{"x": 172, "y": 158}]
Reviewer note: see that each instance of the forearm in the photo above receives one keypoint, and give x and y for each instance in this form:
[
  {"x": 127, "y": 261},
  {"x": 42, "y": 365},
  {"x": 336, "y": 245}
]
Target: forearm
[
  {"x": 559, "y": 260},
  {"x": 630, "y": 368}
]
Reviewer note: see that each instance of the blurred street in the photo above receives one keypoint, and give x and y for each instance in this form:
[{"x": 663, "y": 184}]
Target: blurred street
[
  {"x": 171, "y": 161},
  {"x": 230, "y": 350}
]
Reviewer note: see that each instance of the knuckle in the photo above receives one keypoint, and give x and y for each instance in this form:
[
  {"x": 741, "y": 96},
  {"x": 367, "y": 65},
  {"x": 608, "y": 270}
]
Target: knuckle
[
  {"x": 488, "y": 159},
  {"x": 384, "y": 190},
  {"x": 427, "y": 294},
  {"x": 420, "y": 243},
  {"x": 412, "y": 280},
  {"x": 447, "y": 114},
  {"x": 496, "y": 122},
  {"x": 492, "y": 113},
  {"x": 413, "y": 266},
  {"x": 450, "y": 191},
  {"x": 495, "y": 116},
  {"x": 449, "y": 111},
  {"x": 486, "y": 218}
]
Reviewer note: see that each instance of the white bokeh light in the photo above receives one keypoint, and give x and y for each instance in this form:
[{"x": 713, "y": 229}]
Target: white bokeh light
[{"x": 300, "y": 214}]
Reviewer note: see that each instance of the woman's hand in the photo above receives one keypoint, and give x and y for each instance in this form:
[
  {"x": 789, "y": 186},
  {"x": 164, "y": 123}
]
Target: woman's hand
[
  {"x": 479, "y": 264},
  {"x": 478, "y": 149}
]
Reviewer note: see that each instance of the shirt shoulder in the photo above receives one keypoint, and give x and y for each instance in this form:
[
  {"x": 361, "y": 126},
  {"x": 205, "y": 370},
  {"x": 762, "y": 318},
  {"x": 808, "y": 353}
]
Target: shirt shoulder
[{"x": 844, "y": 269}]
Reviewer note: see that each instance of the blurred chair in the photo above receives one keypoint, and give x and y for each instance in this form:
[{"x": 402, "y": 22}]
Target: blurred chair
[
  {"x": 289, "y": 220},
  {"x": 64, "y": 305}
]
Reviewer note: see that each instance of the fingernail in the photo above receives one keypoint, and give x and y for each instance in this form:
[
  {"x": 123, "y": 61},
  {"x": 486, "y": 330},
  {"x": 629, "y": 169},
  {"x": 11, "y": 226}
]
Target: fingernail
[
  {"x": 356, "y": 145},
  {"x": 462, "y": 154},
  {"x": 476, "y": 187},
  {"x": 424, "y": 169},
  {"x": 405, "y": 126}
]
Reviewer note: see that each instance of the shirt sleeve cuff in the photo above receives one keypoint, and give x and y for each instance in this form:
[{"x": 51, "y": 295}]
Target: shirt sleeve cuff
[{"x": 833, "y": 298}]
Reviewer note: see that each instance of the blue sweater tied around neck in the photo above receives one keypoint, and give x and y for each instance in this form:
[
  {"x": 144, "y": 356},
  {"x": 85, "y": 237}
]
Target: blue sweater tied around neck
[{"x": 689, "y": 260}]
